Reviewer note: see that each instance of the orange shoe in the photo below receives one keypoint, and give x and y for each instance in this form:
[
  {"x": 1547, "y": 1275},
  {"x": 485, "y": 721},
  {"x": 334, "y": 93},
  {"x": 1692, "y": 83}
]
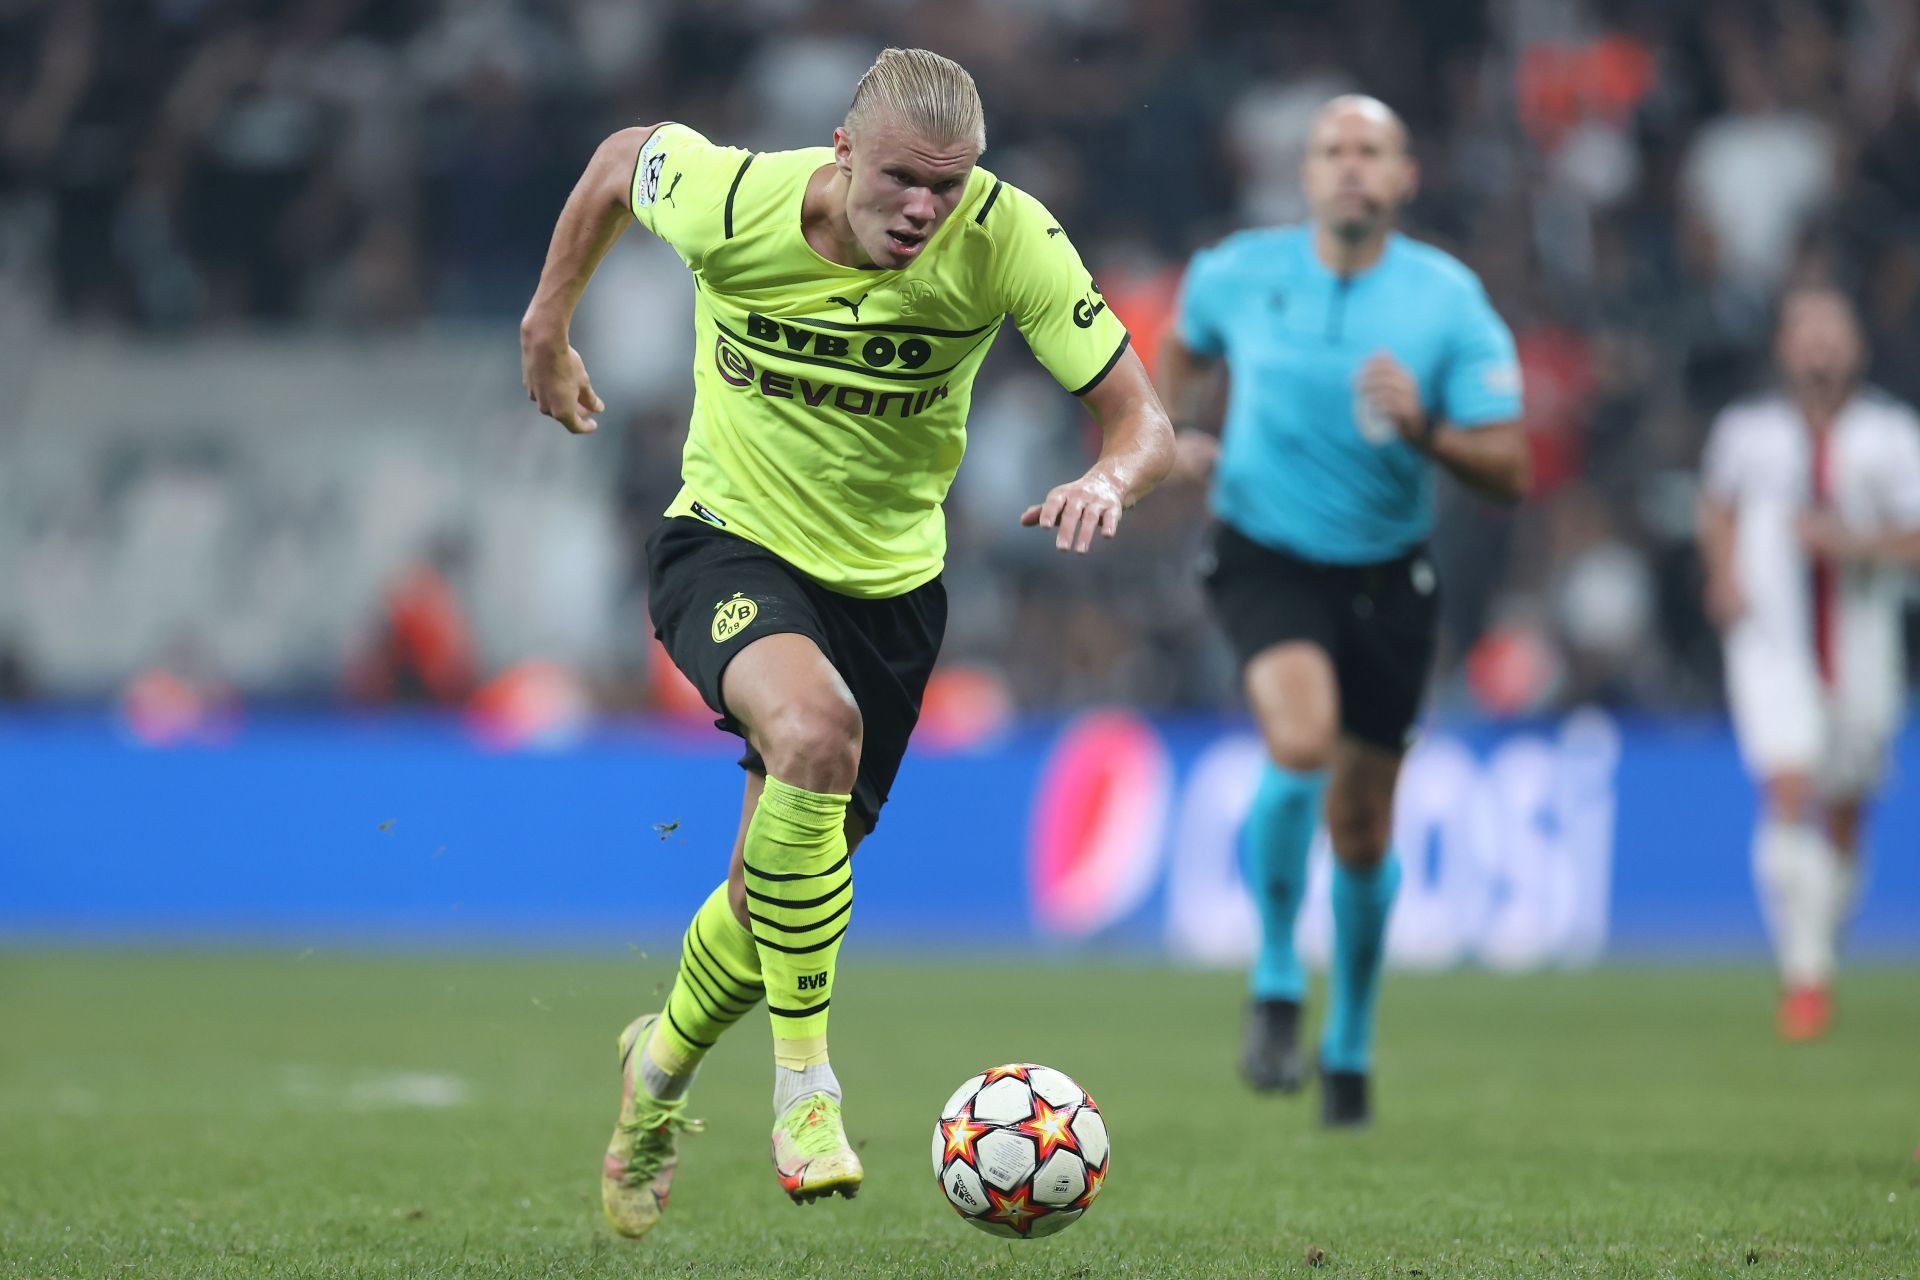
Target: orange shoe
[{"x": 1805, "y": 1013}]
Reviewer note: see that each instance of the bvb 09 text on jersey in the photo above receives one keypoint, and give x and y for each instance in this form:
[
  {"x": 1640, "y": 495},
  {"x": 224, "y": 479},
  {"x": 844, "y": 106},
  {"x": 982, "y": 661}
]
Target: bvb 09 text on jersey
[{"x": 738, "y": 371}]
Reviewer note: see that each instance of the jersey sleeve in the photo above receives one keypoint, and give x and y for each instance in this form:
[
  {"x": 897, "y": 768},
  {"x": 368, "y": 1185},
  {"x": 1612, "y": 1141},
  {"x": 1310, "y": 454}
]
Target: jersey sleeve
[
  {"x": 682, "y": 186},
  {"x": 1482, "y": 384},
  {"x": 1720, "y": 466},
  {"x": 1900, "y": 476},
  {"x": 1046, "y": 289},
  {"x": 1199, "y": 319}
]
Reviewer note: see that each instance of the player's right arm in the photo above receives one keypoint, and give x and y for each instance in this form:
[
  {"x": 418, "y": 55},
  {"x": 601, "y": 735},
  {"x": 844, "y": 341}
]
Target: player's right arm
[
  {"x": 595, "y": 214},
  {"x": 1715, "y": 518},
  {"x": 1190, "y": 368}
]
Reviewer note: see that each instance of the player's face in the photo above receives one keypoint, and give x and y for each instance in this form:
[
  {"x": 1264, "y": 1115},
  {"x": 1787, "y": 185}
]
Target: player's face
[
  {"x": 1358, "y": 172},
  {"x": 900, "y": 188},
  {"x": 1819, "y": 345}
]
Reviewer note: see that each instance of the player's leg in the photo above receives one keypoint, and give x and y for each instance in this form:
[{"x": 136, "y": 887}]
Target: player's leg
[
  {"x": 1275, "y": 613},
  {"x": 1389, "y": 624},
  {"x": 1780, "y": 719},
  {"x": 1846, "y": 828},
  {"x": 717, "y": 984},
  {"x": 797, "y": 887},
  {"x": 1798, "y": 881},
  {"x": 1290, "y": 688},
  {"x": 1366, "y": 878}
]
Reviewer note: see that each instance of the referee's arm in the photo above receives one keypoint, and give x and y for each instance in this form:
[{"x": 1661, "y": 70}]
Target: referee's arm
[
  {"x": 1490, "y": 459},
  {"x": 1190, "y": 384}
]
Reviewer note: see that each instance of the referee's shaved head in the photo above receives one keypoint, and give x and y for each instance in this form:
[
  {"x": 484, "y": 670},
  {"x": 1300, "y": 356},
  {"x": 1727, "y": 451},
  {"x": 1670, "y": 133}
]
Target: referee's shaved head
[
  {"x": 1365, "y": 108},
  {"x": 1359, "y": 168}
]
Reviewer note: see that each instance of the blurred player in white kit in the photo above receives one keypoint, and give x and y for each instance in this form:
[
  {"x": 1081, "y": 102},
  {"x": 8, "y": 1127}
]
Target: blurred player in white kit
[{"x": 1809, "y": 523}]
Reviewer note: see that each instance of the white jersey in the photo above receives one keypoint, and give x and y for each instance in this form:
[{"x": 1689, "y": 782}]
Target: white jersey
[{"x": 1814, "y": 667}]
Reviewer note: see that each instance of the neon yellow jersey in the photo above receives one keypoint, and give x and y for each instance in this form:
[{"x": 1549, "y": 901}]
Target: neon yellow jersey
[{"x": 830, "y": 402}]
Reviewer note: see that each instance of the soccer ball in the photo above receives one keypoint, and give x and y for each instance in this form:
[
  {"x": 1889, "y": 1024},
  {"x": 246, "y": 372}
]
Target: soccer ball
[{"x": 1020, "y": 1151}]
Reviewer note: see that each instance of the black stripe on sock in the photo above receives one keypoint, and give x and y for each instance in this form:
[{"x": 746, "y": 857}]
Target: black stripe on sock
[
  {"x": 778, "y": 1012},
  {"x": 732, "y": 190},
  {"x": 715, "y": 993},
  {"x": 801, "y": 904},
  {"x": 699, "y": 1044},
  {"x": 800, "y": 951},
  {"x": 714, "y": 1007},
  {"x": 808, "y": 927},
  {"x": 753, "y": 989},
  {"x": 811, "y": 875}
]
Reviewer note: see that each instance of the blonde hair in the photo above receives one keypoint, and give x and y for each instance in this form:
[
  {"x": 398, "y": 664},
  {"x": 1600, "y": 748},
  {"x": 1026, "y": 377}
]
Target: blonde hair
[{"x": 932, "y": 96}]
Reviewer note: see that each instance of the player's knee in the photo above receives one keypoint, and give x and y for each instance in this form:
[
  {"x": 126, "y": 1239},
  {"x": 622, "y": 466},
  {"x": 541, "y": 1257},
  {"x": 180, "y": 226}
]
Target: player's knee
[
  {"x": 1790, "y": 797},
  {"x": 1360, "y": 830},
  {"x": 1300, "y": 748},
  {"x": 814, "y": 745}
]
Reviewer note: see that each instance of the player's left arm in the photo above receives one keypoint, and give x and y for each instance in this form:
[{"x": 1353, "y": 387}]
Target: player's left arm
[
  {"x": 1475, "y": 432},
  {"x": 1045, "y": 287}
]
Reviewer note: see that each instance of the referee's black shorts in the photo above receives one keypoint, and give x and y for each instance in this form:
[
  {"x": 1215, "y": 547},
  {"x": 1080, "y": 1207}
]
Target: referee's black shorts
[
  {"x": 1377, "y": 622},
  {"x": 712, "y": 594}
]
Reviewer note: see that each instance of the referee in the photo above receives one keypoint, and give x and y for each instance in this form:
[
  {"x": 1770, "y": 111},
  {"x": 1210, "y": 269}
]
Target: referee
[{"x": 1355, "y": 358}]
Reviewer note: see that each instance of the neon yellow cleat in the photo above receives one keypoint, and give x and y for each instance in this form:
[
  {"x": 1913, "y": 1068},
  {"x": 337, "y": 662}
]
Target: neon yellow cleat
[
  {"x": 810, "y": 1151},
  {"x": 638, "y": 1172}
]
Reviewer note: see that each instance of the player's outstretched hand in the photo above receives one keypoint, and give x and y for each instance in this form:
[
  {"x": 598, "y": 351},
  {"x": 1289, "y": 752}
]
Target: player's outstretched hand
[
  {"x": 556, "y": 381},
  {"x": 1078, "y": 510}
]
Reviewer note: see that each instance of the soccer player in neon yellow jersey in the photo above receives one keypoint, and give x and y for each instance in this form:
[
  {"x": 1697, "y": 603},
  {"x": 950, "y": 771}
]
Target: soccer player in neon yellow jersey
[{"x": 844, "y": 300}]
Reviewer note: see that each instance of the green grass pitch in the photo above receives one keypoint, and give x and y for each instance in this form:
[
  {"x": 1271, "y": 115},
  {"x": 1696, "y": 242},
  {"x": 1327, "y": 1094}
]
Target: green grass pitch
[{"x": 321, "y": 1114}]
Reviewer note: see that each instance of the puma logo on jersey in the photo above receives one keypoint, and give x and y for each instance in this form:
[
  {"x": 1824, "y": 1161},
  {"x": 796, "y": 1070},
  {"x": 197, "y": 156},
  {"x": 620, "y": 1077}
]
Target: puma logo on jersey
[
  {"x": 853, "y": 306},
  {"x": 1052, "y": 232},
  {"x": 668, "y": 194}
]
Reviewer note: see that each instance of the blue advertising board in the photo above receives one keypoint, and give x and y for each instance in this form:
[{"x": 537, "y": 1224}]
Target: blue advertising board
[{"x": 1551, "y": 844}]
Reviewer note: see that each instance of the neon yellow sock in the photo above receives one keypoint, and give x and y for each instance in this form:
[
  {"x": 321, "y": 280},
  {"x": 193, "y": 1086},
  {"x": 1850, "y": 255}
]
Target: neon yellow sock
[
  {"x": 718, "y": 983},
  {"x": 799, "y": 898}
]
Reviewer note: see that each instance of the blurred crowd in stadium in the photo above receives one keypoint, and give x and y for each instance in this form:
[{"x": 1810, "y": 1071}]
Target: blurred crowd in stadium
[{"x": 1635, "y": 180}]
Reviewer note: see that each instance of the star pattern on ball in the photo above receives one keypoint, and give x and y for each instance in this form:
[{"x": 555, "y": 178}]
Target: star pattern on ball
[
  {"x": 960, "y": 1134},
  {"x": 1012, "y": 1071},
  {"x": 1095, "y": 1177},
  {"x": 1015, "y": 1210},
  {"x": 1050, "y": 1129}
]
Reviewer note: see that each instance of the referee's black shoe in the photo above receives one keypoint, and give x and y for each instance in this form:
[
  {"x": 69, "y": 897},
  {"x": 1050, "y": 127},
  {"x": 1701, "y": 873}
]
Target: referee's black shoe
[
  {"x": 1270, "y": 1061},
  {"x": 1343, "y": 1100}
]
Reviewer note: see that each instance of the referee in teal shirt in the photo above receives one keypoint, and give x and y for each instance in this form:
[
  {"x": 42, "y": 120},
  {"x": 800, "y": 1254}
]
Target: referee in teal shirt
[{"x": 1355, "y": 358}]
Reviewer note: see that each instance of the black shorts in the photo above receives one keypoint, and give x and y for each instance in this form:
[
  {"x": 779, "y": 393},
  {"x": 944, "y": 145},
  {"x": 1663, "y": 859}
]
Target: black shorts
[
  {"x": 711, "y": 594},
  {"x": 1377, "y": 622}
]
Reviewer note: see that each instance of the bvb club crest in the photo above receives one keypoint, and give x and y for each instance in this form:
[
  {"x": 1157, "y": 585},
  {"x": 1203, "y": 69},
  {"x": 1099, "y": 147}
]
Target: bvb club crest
[
  {"x": 914, "y": 294},
  {"x": 732, "y": 616}
]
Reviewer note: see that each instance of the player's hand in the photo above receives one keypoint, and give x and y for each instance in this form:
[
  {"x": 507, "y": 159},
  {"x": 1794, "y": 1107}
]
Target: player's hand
[
  {"x": 1726, "y": 604},
  {"x": 1194, "y": 456},
  {"x": 1825, "y": 535},
  {"x": 1386, "y": 384},
  {"x": 1078, "y": 510},
  {"x": 556, "y": 381}
]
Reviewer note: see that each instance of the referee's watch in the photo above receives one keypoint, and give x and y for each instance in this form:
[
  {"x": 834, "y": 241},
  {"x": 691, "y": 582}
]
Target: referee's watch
[{"x": 1429, "y": 427}]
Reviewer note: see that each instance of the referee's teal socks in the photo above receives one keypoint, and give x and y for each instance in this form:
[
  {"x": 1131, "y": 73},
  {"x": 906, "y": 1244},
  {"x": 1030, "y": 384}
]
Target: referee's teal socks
[
  {"x": 1280, "y": 825},
  {"x": 1362, "y": 902}
]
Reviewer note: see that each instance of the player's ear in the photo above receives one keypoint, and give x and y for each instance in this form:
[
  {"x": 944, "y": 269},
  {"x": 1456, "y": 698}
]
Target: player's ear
[{"x": 843, "y": 150}]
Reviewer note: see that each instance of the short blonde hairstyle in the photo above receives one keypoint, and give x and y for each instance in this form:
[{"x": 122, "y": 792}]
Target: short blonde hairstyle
[{"x": 932, "y": 96}]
